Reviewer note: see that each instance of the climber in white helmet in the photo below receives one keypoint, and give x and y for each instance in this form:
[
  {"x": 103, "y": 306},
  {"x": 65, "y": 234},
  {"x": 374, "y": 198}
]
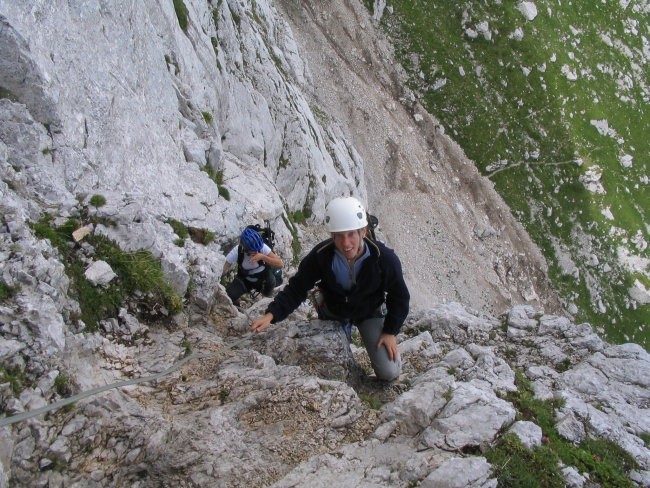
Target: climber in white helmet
[{"x": 360, "y": 282}]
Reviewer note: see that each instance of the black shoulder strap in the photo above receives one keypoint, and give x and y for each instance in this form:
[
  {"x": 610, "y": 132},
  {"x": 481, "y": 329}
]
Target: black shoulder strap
[{"x": 240, "y": 258}]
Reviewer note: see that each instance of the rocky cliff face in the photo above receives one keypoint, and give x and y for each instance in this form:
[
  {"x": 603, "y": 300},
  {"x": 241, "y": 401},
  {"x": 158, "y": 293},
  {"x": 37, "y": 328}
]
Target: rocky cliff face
[{"x": 216, "y": 114}]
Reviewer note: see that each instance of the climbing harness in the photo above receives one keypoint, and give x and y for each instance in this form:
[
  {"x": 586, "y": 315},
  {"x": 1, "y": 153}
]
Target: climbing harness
[{"x": 94, "y": 391}]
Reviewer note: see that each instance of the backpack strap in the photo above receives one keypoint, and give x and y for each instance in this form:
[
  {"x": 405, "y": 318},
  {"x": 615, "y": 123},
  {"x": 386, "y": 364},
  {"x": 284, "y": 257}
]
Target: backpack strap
[{"x": 240, "y": 260}]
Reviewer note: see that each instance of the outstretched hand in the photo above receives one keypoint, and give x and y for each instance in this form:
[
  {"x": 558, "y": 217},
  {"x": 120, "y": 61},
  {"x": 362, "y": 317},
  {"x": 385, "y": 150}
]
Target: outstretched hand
[
  {"x": 389, "y": 341},
  {"x": 262, "y": 323}
]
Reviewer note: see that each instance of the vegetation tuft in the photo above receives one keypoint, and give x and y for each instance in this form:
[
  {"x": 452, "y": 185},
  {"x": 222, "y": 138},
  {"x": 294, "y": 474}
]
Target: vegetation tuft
[
  {"x": 371, "y": 401},
  {"x": 198, "y": 235},
  {"x": 515, "y": 466},
  {"x": 207, "y": 116},
  {"x": 217, "y": 177},
  {"x": 182, "y": 14},
  {"x": 138, "y": 274},
  {"x": 7, "y": 291},
  {"x": 16, "y": 378},
  {"x": 97, "y": 201},
  {"x": 296, "y": 246},
  {"x": 5, "y": 93},
  {"x": 62, "y": 386}
]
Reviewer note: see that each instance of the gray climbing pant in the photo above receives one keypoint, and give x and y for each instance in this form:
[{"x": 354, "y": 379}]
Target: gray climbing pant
[
  {"x": 370, "y": 330},
  {"x": 385, "y": 369}
]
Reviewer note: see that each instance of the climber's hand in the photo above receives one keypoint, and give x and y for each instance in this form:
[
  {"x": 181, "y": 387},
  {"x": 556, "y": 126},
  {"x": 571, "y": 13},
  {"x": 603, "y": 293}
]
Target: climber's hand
[
  {"x": 390, "y": 343},
  {"x": 262, "y": 323}
]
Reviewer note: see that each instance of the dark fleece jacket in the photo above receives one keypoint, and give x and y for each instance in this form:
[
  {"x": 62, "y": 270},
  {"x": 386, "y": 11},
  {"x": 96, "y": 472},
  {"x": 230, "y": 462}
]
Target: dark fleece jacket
[{"x": 379, "y": 279}]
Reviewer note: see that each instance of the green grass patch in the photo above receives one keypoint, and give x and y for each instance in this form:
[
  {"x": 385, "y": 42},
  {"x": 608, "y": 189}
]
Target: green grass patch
[
  {"x": 16, "y": 378},
  {"x": 538, "y": 105},
  {"x": 182, "y": 14},
  {"x": 604, "y": 461},
  {"x": 137, "y": 272},
  {"x": 516, "y": 466}
]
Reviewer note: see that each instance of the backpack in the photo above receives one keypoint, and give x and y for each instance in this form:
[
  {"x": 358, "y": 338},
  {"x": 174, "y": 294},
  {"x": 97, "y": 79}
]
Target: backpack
[
  {"x": 373, "y": 222},
  {"x": 268, "y": 236}
]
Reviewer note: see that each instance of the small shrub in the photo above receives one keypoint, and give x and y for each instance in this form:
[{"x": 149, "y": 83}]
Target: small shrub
[
  {"x": 97, "y": 201},
  {"x": 215, "y": 46},
  {"x": 356, "y": 338},
  {"x": 207, "y": 116},
  {"x": 173, "y": 301}
]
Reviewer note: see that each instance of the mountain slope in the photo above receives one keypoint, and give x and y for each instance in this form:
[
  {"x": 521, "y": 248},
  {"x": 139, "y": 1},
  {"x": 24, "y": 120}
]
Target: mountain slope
[
  {"x": 134, "y": 145},
  {"x": 549, "y": 99}
]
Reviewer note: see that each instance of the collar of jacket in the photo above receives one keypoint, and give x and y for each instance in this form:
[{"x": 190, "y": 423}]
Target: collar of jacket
[{"x": 328, "y": 245}]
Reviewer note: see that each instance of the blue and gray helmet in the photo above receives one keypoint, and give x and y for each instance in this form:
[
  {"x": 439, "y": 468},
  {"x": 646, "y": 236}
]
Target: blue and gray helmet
[{"x": 251, "y": 240}]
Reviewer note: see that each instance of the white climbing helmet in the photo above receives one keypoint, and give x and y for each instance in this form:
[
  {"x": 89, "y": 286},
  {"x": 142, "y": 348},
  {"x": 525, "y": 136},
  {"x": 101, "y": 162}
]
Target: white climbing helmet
[{"x": 345, "y": 213}]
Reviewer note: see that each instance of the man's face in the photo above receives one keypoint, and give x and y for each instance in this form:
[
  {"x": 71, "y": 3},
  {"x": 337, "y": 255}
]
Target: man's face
[{"x": 348, "y": 242}]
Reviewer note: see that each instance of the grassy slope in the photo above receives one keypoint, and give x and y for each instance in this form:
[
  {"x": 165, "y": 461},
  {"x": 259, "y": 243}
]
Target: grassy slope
[{"x": 511, "y": 105}]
